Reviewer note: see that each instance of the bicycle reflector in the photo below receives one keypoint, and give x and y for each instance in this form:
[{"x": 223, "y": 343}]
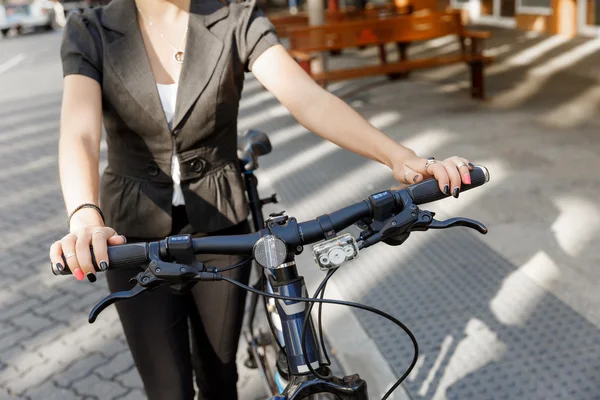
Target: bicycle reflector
[
  {"x": 269, "y": 251},
  {"x": 334, "y": 253}
]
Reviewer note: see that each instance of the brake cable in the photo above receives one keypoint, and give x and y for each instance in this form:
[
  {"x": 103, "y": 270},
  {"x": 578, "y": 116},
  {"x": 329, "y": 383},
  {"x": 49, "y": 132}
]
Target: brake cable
[
  {"x": 341, "y": 303},
  {"x": 320, "y": 289}
]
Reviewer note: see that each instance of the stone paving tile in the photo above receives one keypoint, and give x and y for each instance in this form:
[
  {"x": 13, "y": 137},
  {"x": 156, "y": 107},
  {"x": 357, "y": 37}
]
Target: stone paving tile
[
  {"x": 17, "y": 308},
  {"x": 131, "y": 378},
  {"x": 94, "y": 386},
  {"x": 80, "y": 369},
  {"x": 33, "y": 377},
  {"x": 32, "y": 322},
  {"x": 52, "y": 391},
  {"x": 10, "y": 340},
  {"x": 115, "y": 367},
  {"x": 135, "y": 394}
]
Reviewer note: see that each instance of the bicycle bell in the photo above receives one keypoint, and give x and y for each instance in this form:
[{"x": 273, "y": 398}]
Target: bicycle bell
[{"x": 269, "y": 251}]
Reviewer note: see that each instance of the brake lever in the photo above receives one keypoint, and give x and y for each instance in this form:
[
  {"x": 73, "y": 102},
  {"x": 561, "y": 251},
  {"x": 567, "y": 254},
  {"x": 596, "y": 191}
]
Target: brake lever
[
  {"x": 452, "y": 222},
  {"x": 145, "y": 281},
  {"x": 113, "y": 298}
]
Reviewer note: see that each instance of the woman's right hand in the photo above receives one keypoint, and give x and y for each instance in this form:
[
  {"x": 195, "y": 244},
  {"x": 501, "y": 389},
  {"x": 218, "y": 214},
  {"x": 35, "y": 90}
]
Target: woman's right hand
[{"x": 76, "y": 248}]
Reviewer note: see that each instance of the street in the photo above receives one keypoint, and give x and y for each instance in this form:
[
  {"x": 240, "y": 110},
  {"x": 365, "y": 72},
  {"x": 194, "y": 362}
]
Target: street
[{"x": 511, "y": 315}]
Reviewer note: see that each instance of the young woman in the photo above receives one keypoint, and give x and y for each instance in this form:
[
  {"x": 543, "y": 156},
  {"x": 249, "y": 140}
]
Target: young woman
[{"x": 165, "y": 77}]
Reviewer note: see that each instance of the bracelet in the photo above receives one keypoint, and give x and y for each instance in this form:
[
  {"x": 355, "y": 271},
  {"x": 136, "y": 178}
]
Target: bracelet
[{"x": 85, "y": 205}]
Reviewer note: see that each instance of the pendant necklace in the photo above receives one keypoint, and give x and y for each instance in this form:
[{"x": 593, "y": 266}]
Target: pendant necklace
[{"x": 179, "y": 53}]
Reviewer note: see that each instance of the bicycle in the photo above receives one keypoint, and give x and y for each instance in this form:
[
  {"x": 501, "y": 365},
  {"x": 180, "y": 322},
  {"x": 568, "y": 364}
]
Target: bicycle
[{"x": 389, "y": 217}]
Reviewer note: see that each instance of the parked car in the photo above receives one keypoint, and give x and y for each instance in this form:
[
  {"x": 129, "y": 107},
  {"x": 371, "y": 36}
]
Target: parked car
[{"x": 20, "y": 14}]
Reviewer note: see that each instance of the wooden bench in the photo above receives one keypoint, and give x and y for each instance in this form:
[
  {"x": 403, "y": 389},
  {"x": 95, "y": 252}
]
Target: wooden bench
[
  {"x": 283, "y": 22},
  {"x": 305, "y": 42}
]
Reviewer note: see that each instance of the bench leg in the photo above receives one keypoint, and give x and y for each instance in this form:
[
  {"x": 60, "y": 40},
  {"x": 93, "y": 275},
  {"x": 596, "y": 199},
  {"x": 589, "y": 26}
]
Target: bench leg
[
  {"x": 402, "y": 50},
  {"x": 403, "y": 56},
  {"x": 382, "y": 54},
  {"x": 477, "y": 82}
]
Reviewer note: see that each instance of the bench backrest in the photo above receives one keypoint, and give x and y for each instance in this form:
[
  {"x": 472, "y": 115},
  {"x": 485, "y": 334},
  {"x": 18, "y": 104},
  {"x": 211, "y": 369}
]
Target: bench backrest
[
  {"x": 403, "y": 28},
  {"x": 284, "y": 22}
]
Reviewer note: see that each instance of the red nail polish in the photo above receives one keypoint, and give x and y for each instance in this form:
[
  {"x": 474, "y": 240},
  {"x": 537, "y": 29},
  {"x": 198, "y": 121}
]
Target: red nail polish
[
  {"x": 467, "y": 179},
  {"x": 78, "y": 274}
]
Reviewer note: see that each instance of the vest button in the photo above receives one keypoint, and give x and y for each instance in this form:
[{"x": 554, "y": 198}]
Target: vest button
[
  {"x": 153, "y": 169},
  {"x": 196, "y": 165}
]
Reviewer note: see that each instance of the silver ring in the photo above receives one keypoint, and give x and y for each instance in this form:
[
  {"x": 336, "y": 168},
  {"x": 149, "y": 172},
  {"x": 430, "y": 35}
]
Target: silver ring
[
  {"x": 99, "y": 231},
  {"x": 68, "y": 255},
  {"x": 406, "y": 173},
  {"x": 460, "y": 164},
  {"x": 430, "y": 161}
]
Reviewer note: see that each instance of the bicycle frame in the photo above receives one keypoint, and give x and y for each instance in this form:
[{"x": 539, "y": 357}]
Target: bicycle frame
[
  {"x": 258, "y": 221},
  {"x": 286, "y": 281}
]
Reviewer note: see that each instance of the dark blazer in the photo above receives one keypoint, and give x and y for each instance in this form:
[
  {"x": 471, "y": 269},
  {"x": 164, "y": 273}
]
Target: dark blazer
[{"x": 136, "y": 188}]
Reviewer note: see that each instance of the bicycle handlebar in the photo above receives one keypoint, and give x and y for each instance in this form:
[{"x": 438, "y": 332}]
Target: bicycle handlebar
[
  {"x": 128, "y": 255},
  {"x": 428, "y": 191}
]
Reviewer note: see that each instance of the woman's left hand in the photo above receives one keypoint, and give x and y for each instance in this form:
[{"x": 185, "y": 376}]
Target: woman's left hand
[{"x": 449, "y": 173}]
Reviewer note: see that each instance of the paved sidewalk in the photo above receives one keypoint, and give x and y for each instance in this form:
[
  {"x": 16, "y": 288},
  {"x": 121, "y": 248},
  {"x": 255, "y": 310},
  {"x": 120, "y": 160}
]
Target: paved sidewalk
[
  {"x": 511, "y": 315},
  {"x": 520, "y": 305}
]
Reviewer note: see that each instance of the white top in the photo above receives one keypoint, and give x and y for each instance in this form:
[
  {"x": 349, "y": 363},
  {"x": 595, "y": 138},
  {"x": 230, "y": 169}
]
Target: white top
[{"x": 168, "y": 98}]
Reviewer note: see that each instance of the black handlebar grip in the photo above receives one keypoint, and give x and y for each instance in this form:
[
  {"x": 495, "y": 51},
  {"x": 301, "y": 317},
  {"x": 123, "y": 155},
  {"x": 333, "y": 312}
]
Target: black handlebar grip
[
  {"x": 429, "y": 190},
  {"x": 120, "y": 256}
]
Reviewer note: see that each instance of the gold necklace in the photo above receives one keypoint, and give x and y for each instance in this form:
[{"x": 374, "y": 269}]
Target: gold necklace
[{"x": 179, "y": 53}]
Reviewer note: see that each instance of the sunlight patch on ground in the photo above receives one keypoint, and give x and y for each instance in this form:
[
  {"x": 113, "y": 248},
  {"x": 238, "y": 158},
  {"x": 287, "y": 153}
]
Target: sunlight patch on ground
[
  {"x": 287, "y": 134},
  {"x": 577, "y": 111},
  {"x": 528, "y": 55},
  {"x": 29, "y": 130},
  {"x": 255, "y": 99},
  {"x": 433, "y": 44},
  {"x": 477, "y": 334},
  {"x": 577, "y": 224},
  {"x": 444, "y": 348},
  {"x": 538, "y": 76},
  {"x": 20, "y": 118},
  {"x": 324, "y": 148},
  {"x": 24, "y": 145},
  {"x": 512, "y": 309},
  {"x": 455, "y": 69},
  {"x": 28, "y": 194},
  {"x": 259, "y": 118},
  {"x": 34, "y": 165}
]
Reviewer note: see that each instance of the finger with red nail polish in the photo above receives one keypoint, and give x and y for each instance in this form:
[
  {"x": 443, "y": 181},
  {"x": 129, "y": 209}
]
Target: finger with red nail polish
[
  {"x": 78, "y": 273},
  {"x": 467, "y": 178}
]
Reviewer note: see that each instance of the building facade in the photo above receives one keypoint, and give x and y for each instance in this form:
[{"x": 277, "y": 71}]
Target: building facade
[{"x": 567, "y": 17}]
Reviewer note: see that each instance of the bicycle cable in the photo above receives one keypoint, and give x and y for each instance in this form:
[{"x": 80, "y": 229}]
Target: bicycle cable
[
  {"x": 240, "y": 264},
  {"x": 321, "y": 336},
  {"x": 270, "y": 319},
  {"x": 347, "y": 304},
  {"x": 320, "y": 289}
]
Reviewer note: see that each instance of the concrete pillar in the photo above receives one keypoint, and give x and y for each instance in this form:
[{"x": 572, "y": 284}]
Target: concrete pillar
[{"x": 316, "y": 16}]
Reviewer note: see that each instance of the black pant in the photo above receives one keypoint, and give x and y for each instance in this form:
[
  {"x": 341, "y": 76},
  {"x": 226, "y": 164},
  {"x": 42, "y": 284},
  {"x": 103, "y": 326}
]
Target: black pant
[{"x": 157, "y": 330}]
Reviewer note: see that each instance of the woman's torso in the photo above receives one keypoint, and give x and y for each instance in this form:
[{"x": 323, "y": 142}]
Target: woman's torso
[{"x": 137, "y": 187}]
